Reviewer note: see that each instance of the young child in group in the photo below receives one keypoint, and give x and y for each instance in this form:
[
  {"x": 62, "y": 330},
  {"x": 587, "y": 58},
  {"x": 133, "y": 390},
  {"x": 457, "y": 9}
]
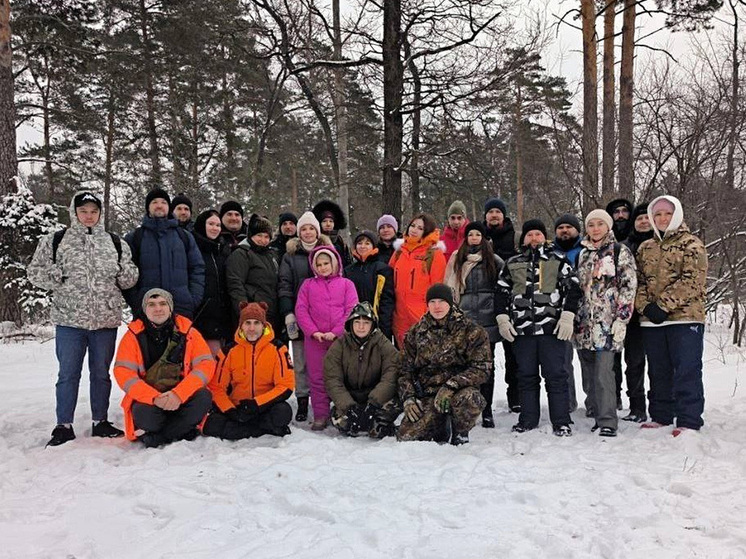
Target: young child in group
[{"x": 324, "y": 302}]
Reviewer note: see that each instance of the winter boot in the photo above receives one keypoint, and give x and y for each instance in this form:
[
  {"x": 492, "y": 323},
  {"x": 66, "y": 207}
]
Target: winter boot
[
  {"x": 61, "y": 434},
  {"x": 562, "y": 431},
  {"x": 457, "y": 439},
  {"x": 444, "y": 432},
  {"x": 635, "y": 417},
  {"x": 319, "y": 424},
  {"x": 607, "y": 432},
  {"x": 488, "y": 422},
  {"x": 105, "y": 429},
  {"x": 302, "y": 413},
  {"x": 520, "y": 428},
  {"x": 152, "y": 440}
]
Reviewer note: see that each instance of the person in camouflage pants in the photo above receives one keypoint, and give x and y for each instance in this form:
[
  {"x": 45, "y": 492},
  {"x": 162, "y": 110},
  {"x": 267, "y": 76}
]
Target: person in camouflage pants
[{"x": 446, "y": 357}]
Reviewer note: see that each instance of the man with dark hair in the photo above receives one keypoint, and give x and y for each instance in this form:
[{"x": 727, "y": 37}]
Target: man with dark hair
[
  {"x": 234, "y": 228},
  {"x": 288, "y": 229},
  {"x": 181, "y": 208}
]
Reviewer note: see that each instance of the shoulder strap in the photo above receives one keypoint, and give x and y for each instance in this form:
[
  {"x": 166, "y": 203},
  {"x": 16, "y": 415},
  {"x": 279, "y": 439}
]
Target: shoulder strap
[
  {"x": 56, "y": 240},
  {"x": 117, "y": 245}
]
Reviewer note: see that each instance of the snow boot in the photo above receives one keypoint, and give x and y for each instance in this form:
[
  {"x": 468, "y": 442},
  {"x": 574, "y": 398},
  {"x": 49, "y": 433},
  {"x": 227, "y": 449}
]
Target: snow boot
[
  {"x": 595, "y": 428},
  {"x": 562, "y": 431},
  {"x": 607, "y": 432},
  {"x": 152, "y": 440},
  {"x": 61, "y": 434},
  {"x": 519, "y": 428},
  {"x": 302, "y": 413},
  {"x": 319, "y": 424},
  {"x": 105, "y": 429},
  {"x": 635, "y": 417},
  {"x": 488, "y": 422},
  {"x": 458, "y": 439}
]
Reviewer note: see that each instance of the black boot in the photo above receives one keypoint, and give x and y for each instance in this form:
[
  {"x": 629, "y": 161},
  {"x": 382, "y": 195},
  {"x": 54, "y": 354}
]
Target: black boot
[
  {"x": 61, "y": 434},
  {"x": 302, "y": 413},
  {"x": 106, "y": 429},
  {"x": 457, "y": 439}
]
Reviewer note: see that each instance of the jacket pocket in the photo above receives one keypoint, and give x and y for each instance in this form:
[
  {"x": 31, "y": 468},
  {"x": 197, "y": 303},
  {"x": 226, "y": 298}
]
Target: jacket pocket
[
  {"x": 548, "y": 274},
  {"x": 519, "y": 275}
]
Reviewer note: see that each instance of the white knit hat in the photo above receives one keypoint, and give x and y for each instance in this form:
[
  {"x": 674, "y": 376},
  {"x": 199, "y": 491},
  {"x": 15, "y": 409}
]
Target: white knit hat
[
  {"x": 602, "y": 215},
  {"x": 309, "y": 219}
]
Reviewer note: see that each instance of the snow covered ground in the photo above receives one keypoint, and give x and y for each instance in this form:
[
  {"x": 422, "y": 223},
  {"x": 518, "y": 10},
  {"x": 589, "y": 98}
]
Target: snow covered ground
[{"x": 643, "y": 494}]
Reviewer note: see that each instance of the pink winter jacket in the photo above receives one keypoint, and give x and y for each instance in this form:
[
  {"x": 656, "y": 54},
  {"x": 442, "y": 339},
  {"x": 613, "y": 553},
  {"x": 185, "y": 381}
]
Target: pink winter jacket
[{"x": 324, "y": 304}]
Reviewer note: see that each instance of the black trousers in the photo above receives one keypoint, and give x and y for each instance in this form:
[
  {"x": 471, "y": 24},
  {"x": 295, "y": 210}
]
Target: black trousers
[
  {"x": 634, "y": 358},
  {"x": 272, "y": 420},
  {"x": 173, "y": 425}
]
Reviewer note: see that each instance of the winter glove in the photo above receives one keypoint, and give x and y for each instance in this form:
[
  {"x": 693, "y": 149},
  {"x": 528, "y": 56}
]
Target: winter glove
[
  {"x": 247, "y": 410},
  {"x": 618, "y": 331},
  {"x": 233, "y": 415},
  {"x": 355, "y": 418},
  {"x": 564, "y": 328},
  {"x": 291, "y": 323},
  {"x": 505, "y": 327},
  {"x": 656, "y": 314},
  {"x": 370, "y": 414},
  {"x": 443, "y": 399},
  {"x": 413, "y": 410}
]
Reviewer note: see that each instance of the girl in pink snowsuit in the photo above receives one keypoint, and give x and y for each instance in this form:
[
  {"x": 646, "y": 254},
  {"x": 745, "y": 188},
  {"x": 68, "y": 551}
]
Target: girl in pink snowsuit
[{"x": 324, "y": 302}]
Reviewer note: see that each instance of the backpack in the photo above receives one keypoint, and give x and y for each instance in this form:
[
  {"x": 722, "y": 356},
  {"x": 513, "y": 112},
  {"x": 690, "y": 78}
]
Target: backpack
[
  {"x": 137, "y": 242},
  {"x": 57, "y": 239}
]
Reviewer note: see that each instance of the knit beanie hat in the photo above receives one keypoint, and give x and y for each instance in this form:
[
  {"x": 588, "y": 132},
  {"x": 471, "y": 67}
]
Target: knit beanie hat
[
  {"x": 259, "y": 224},
  {"x": 495, "y": 203},
  {"x": 309, "y": 219},
  {"x": 252, "y": 311},
  {"x": 602, "y": 215},
  {"x": 181, "y": 198},
  {"x": 158, "y": 292},
  {"x": 640, "y": 209},
  {"x": 156, "y": 193},
  {"x": 83, "y": 198},
  {"x": 568, "y": 219},
  {"x": 532, "y": 225},
  {"x": 287, "y": 216},
  {"x": 457, "y": 208},
  {"x": 230, "y": 206},
  {"x": 368, "y": 234},
  {"x": 474, "y": 226},
  {"x": 387, "y": 219},
  {"x": 440, "y": 291}
]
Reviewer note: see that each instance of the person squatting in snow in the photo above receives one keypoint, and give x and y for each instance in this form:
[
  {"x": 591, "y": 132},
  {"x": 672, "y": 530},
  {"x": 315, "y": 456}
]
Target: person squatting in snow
[
  {"x": 252, "y": 383},
  {"x": 360, "y": 373},
  {"x": 445, "y": 359},
  {"x": 163, "y": 365},
  {"x": 85, "y": 268}
]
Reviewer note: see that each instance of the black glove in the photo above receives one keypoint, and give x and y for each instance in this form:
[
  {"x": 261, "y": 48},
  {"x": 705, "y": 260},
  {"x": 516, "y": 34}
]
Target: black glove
[
  {"x": 355, "y": 418},
  {"x": 247, "y": 410},
  {"x": 370, "y": 413},
  {"x": 233, "y": 415},
  {"x": 656, "y": 314}
]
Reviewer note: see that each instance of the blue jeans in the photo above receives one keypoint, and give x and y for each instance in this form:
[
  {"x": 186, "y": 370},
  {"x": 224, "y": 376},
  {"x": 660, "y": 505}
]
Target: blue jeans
[
  {"x": 675, "y": 368},
  {"x": 71, "y": 345}
]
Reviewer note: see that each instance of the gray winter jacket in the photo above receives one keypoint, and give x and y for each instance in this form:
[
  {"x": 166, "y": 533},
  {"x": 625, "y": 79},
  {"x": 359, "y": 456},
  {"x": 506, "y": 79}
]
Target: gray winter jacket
[
  {"x": 87, "y": 278},
  {"x": 478, "y": 299}
]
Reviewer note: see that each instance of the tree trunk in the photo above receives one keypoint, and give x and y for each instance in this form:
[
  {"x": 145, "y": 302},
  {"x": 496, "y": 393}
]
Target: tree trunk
[
  {"x": 109, "y": 159},
  {"x": 8, "y": 157},
  {"x": 733, "y": 125},
  {"x": 590, "y": 105},
  {"x": 194, "y": 154},
  {"x": 609, "y": 106},
  {"x": 47, "y": 147},
  {"x": 155, "y": 164},
  {"x": 518, "y": 156},
  {"x": 626, "y": 87},
  {"x": 340, "y": 111},
  {"x": 414, "y": 165},
  {"x": 393, "y": 129}
]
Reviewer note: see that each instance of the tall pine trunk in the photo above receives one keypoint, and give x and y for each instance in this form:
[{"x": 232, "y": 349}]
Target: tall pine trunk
[
  {"x": 626, "y": 89},
  {"x": 590, "y": 105},
  {"x": 414, "y": 160},
  {"x": 8, "y": 157},
  {"x": 340, "y": 111},
  {"x": 733, "y": 120},
  {"x": 393, "y": 129},
  {"x": 609, "y": 106},
  {"x": 153, "y": 153}
]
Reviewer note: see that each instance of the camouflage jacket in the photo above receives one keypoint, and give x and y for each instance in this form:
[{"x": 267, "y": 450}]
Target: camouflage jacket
[
  {"x": 87, "y": 277},
  {"x": 672, "y": 273},
  {"x": 608, "y": 293},
  {"x": 456, "y": 349},
  {"x": 534, "y": 288}
]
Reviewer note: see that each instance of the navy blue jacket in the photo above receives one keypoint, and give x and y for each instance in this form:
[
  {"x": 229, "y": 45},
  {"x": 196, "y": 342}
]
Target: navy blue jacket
[{"x": 166, "y": 261}]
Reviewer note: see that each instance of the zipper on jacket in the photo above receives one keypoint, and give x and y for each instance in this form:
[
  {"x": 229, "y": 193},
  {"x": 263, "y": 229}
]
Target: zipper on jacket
[
  {"x": 411, "y": 286},
  {"x": 253, "y": 367}
]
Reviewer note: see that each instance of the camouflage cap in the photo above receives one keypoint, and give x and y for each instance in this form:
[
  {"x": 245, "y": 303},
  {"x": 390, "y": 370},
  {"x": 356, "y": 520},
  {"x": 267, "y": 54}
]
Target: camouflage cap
[{"x": 361, "y": 310}]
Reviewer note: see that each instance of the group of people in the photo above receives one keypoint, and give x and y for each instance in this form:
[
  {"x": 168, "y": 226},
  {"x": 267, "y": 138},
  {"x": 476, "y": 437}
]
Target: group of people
[{"x": 394, "y": 323}]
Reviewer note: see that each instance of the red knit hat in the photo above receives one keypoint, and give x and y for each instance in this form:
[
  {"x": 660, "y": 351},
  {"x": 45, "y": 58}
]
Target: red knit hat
[{"x": 252, "y": 311}]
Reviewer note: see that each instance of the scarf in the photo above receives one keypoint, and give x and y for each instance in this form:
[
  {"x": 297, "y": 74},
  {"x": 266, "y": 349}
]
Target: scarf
[
  {"x": 309, "y": 247},
  {"x": 372, "y": 252},
  {"x": 458, "y": 284}
]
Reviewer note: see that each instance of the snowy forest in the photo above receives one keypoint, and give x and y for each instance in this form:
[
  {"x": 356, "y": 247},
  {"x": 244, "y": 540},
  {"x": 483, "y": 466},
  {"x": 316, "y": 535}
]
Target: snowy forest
[{"x": 389, "y": 107}]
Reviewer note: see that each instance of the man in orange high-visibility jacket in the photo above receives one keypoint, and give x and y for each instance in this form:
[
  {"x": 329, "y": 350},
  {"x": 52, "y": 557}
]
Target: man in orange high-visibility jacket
[
  {"x": 253, "y": 382},
  {"x": 163, "y": 365}
]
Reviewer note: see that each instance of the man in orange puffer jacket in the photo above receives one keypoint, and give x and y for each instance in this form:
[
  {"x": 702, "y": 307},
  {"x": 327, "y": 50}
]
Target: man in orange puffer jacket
[
  {"x": 163, "y": 365},
  {"x": 253, "y": 382}
]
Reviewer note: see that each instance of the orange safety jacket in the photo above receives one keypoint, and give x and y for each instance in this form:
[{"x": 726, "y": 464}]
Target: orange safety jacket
[
  {"x": 129, "y": 369},
  {"x": 260, "y": 371}
]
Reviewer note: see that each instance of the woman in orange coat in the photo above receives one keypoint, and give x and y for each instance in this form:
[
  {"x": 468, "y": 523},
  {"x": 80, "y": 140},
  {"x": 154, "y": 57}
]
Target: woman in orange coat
[
  {"x": 418, "y": 263},
  {"x": 253, "y": 382}
]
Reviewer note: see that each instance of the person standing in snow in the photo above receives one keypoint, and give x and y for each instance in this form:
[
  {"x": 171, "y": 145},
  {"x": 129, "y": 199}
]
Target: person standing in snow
[
  {"x": 446, "y": 358},
  {"x": 85, "y": 268},
  {"x": 472, "y": 273},
  {"x": 607, "y": 275},
  {"x": 332, "y": 220},
  {"x": 388, "y": 231},
  {"x": 454, "y": 231},
  {"x": 252, "y": 382},
  {"x": 324, "y": 302},
  {"x": 671, "y": 296},
  {"x": 163, "y": 365},
  {"x": 538, "y": 296},
  {"x": 360, "y": 375},
  {"x": 181, "y": 208}
]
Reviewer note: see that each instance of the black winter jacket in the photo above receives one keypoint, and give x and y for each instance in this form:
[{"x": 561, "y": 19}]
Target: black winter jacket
[
  {"x": 365, "y": 277},
  {"x": 478, "y": 300},
  {"x": 252, "y": 275},
  {"x": 214, "y": 319},
  {"x": 503, "y": 239}
]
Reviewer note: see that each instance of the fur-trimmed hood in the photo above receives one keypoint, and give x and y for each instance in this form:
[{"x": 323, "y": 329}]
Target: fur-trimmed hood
[
  {"x": 294, "y": 244},
  {"x": 340, "y": 221}
]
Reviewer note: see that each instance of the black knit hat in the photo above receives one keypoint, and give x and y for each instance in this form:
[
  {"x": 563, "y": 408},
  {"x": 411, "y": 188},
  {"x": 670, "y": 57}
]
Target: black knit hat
[
  {"x": 287, "y": 216},
  {"x": 156, "y": 193},
  {"x": 474, "y": 226},
  {"x": 638, "y": 211},
  {"x": 619, "y": 202},
  {"x": 181, "y": 198},
  {"x": 568, "y": 219},
  {"x": 440, "y": 291},
  {"x": 495, "y": 203},
  {"x": 368, "y": 234},
  {"x": 230, "y": 206},
  {"x": 259, "y": 224},
  {"x": 532, "y": 225},
  {"x": 83, "y": 198}
]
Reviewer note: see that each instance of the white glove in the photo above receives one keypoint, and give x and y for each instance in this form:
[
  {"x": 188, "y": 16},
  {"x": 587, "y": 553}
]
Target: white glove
[
  {"x": 505, "y": 327},
  {"x": 413, "y": 410},
  {"x": 618, "y": 331},
  {"x": 292, "y": 326},
  {"x": 564, "y": 328}
]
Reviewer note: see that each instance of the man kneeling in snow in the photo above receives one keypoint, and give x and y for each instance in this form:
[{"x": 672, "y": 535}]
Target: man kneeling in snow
[
  {"x": 252, "y": 383},
  {"x": 446, "y": 358},
  {"x": 163, "y": 365},
  {"x": 360, "y": 371}
]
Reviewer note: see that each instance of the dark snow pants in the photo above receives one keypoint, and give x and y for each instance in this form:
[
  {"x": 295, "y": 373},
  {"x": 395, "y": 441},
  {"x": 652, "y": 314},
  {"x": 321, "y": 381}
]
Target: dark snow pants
[
  {"x": 273, "y": 420},
  {"x": 173, "y": 425},
  {"x": 511, "y": 376},
  {"x": 547, "y": 353},
  {"x": 634, "y": 359},
  {"x": 675, "y": 367}
]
